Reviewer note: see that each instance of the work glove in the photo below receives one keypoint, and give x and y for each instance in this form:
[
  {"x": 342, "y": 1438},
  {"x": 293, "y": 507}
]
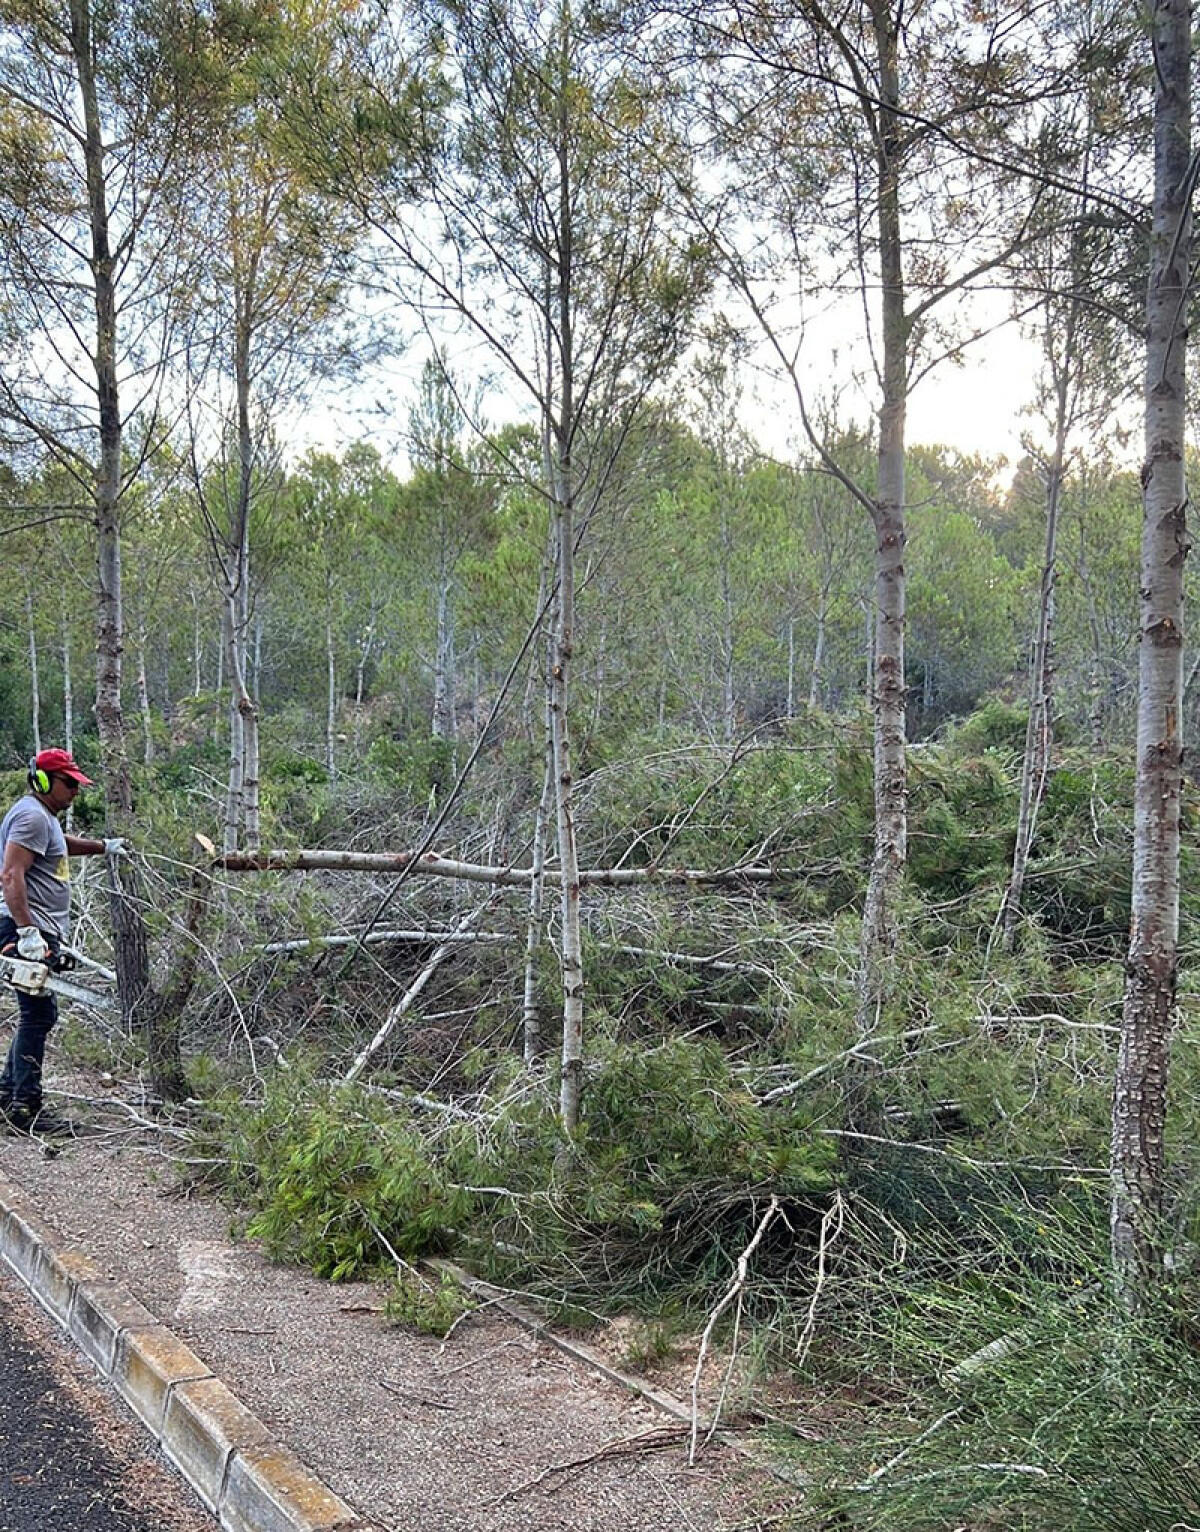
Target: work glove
[
  {"x": 116, "y": 845},
  {"x": 31, "y": 944}
]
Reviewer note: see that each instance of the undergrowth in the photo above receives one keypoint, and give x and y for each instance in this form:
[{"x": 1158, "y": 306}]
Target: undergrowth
[
  {"x": 998, "y": 1385},
  {"x": 662, "y": 1186}
]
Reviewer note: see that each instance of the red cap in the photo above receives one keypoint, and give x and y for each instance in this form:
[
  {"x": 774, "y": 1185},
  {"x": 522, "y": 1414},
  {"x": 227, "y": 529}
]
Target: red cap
[{"x": 62, "y": 762}]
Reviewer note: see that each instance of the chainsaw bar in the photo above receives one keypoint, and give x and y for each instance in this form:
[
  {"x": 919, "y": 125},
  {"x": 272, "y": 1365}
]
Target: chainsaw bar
[{"x": 36, "y": 979}]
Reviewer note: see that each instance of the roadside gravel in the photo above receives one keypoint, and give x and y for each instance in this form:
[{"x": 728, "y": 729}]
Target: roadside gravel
[{"x": 493, "y": 1432}]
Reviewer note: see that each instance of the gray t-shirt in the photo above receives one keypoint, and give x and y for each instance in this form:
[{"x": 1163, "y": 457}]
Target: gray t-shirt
[{"x": 48, "y": 880}]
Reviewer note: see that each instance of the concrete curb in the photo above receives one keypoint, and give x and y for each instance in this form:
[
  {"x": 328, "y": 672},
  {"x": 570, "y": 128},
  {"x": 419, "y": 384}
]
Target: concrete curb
[{"x": 243, "y": 1475}]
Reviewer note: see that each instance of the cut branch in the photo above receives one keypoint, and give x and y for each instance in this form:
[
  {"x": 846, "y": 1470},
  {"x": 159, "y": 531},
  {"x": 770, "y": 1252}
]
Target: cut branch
[{"x": 410, "y": 995}]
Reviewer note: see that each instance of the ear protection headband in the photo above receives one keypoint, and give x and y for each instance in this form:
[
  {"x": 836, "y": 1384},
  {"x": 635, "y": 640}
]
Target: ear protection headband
[{"x": 38, "y": 779}]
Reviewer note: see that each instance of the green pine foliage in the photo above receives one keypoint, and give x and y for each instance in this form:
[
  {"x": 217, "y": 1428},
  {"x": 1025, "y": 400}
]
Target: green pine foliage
[
  {"x": 334, "y": 1179},
  {"x": 1007, "y": 1392}
]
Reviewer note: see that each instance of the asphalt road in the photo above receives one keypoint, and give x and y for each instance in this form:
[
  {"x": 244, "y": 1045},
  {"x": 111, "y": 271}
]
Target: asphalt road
[{"x": 72, "y": 1458}]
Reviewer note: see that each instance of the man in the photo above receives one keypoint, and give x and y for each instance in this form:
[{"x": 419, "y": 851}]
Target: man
[{"x": 35, "y": 907}]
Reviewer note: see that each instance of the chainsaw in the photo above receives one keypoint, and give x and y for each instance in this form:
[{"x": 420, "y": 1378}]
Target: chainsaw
[{"x": 45, "y": 979}]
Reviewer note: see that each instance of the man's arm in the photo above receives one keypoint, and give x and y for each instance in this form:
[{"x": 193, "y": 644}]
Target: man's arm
[
  {"x": 17, "y": 862},
  {"x": 83, "y": 845}
]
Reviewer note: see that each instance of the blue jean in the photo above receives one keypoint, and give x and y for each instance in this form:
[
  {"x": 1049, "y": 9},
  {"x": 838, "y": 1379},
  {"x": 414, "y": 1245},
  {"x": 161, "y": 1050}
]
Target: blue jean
[{"x": 21, "y": 1079}]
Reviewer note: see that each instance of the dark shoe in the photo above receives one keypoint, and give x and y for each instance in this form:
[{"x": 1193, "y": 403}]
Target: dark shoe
[{"x": 44, "y": 1123}]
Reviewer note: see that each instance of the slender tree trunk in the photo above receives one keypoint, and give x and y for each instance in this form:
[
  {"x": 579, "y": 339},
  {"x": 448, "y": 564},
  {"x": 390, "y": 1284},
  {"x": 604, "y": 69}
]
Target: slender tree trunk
[
  {"x": 242, "y": 799},
  {"x": 256, "y": 684},
  {"x": 879, "y": 922},
  {"x": 728, "y": 696},
  {"x": 1097, "y": 668},
  {"x": 1140, "y": 1095},
  {"x": 35, "y": 693},
  {"x": 139, "y": 1007},
  {"x": 1060, "y": 343},
  {"x": 330, "y": 689},
  {"x": 1039, "y": 729},
  {"x": 571, "y": 1091},
  {"x": 365, "y": 649},
  {"x": 818, "y": 659},
  {"x": 791, "y": 669},
  {"x": 533, "y": 1039},
  {"x": 68, "y": 689},
  {"x": 143, "y": 696},
  {"x": 68, "y": 702},
  {"x": 197, "y": 650},
  {"x": 571, "y": 1085},
  {"x": 237, "y": 759},
  {"x": 443, "y": 663},
  {"x": 222, "y": 646}
]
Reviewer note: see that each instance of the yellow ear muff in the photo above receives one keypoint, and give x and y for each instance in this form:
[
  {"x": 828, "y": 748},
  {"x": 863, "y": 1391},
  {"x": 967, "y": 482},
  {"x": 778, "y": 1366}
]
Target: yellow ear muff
[{"x": 38, "y": 779}]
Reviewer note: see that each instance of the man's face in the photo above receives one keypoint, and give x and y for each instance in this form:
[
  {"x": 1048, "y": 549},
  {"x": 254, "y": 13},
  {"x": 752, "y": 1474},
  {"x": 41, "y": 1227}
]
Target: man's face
[{"x": 62, "y": 791}]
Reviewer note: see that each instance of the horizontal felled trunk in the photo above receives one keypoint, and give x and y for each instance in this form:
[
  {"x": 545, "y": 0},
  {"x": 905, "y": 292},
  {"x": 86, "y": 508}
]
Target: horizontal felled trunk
[{"x": 432, "y": 865}]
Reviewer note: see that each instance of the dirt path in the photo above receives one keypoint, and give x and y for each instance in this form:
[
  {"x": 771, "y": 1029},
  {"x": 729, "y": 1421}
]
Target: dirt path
[{"x": 471, "y": 1437}]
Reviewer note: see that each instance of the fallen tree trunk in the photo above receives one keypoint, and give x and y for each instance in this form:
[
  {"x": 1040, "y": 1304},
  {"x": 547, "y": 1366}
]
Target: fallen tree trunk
[
  {"x": 432, "y": 865},
  {"x": 306, "y": 943}
]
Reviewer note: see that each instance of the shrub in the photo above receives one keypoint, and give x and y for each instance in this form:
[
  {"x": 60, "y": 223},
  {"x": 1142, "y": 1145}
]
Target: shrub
[{"x": 335, "y": 1180}]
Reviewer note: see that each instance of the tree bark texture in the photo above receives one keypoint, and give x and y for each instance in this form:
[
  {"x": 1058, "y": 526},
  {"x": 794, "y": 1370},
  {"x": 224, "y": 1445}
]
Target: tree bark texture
[
  {"x": 531, "y": 1014},
  {"x": 139, "y": 1006},
  {"x": 68, "y": 689},
  {"x": 1140, "y": 1094},
  {"x": 878, "y": 934},
  {"x": 242, "y": 798},
  {"x": 143, "y": 696},
  {"x": 443, "y": 660},
  {"x": 432, "y": 865},
  {"x": 1039, "y": 729},
  {"x": 35, "y": 694},
  {"x": 571, "y": 1086}
]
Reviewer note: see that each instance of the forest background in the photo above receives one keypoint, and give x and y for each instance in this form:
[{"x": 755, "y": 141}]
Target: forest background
[{"x": 719, "y": 836}]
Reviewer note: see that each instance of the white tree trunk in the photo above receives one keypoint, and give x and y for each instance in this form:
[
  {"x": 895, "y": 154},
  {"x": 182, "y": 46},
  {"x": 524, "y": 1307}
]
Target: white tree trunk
[
  {"x": 1140, "y": 1095},
  {"x": 879, "y": 923},
  {"x": 533, "y": 1040},
  {"x": 728, "y": 694},
  {"x": 818, "y": 660},
  {"x": 1039, "y": 728},
  {"x": 571, "y": 1090},
  {"x": 237, "y": 758},
  {"x": 330, "y": 691},
  {"x": 68, "y": 689},
  {"x": 242, "y": 796},
  {"x": 443, "y": 663},
  {"x": 143, "y": 697},
  {"x": 222, "y": 645},
  {"x": 35, "y": 694}
]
